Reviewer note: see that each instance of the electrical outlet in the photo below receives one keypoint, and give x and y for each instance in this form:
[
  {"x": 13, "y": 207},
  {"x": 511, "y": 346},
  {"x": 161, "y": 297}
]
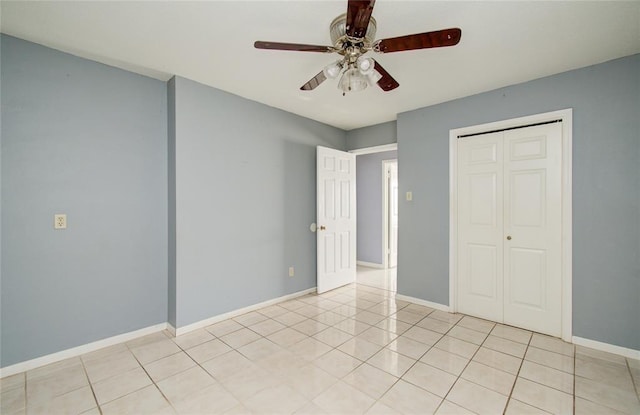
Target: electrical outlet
[
  {"x": 59, "y": 221},
  {"x": 291, "y": 272}
]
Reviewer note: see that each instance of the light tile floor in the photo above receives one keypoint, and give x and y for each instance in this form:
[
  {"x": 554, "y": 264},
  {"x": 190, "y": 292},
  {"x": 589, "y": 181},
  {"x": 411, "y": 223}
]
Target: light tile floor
[{"x": 353, "y": 350}]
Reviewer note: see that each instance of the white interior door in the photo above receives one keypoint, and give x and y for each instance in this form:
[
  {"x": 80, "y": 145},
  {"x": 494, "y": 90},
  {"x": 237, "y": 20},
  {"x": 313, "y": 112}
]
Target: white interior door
[
  {"x": 336, "y": 218},
  {"x": 533, "y": 223},
  {"x": 509, "y": 227},
  {"x": 393, "y": 214},
  {"x": 480, "y": 226}
]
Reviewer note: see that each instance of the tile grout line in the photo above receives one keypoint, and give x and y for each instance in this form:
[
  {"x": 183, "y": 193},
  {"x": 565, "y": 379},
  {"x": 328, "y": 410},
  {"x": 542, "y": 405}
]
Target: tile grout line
[
  {"x": 590, "y": 399},
  {"x": 375, "y": 401},
  {"x": 510, "y": 396},
  {"x": 421, "y": 356},
  {"x": 636, "y": 387},
  {"x": 551, "y": 367},
  {"x": 574, "y": 379},
  {"x": 444, "y": 398},
  {"x": 488, "y": 334},
  {"x": 147, "y": 373},
  {"x": 362, "y": 362},
  {"x": 184, "y": 350},
  {"x": 267, "y": 317},
  {"x": 280, "y": 379},
  {"x": 387, "y": 296},
  {"x": 205, "y": 370},
  {"x": 522, "y": 359},
  {"x": 51, "y": 398},
  {"x": 93, "y": 392},
  {"x": 442, "y": 335},
  {"x": 25, "y": 392},
  {"x": 573, "y": 375},
  {"x": 384, "y": 347},
  {"x": 469, "y": 362}
]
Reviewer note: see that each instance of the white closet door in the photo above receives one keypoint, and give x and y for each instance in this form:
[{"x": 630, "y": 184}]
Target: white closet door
[
  {"x": 509, "y": 227},
  {"x": 532, "y": 217},
  {"x": 480, "y": 226}
]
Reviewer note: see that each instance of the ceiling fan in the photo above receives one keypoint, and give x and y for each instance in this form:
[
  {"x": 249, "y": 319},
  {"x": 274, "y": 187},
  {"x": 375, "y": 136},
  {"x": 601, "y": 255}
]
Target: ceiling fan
[{"x": 353, "y": 34}]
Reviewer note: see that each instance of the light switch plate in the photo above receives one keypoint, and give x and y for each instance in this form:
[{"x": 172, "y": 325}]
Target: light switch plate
[
  {"x": 59, "y": 221},
  {"x": 409, "y": 196}
]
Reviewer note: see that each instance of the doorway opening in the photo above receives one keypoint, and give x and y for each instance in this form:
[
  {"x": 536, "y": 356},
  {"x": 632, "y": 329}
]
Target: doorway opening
[
  {"x": 386, "y": 279},
  {"x": 377, "y": 216}
]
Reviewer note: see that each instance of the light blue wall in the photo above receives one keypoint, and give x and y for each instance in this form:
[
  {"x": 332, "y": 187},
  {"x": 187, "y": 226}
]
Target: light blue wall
[
  {"x": 374, "y": 135},
  {"x": 90, "y": 141},
  {"x": 245, "y": 197},
  {"x": 606, "y": 190},
  {"x": 236, "y": 179},
  {"x": 369, "y": 180}
]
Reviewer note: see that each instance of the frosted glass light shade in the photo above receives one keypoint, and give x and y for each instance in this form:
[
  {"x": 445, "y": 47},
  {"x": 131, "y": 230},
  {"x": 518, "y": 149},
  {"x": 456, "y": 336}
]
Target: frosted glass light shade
[
  {"x": 333, "y": 70},
  {"x": 373, "y": 78},
  {"x": 352, "y": 81},
  {"x": 365, "y": 65}
]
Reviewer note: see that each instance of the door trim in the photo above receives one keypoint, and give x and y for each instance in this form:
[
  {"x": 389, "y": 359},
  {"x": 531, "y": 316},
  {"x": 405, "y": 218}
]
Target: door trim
[
  {"x": 371, "y": 150},
  {"x": 566, "y": 116},
  {"x": 385, "y": 211},
  {"x": 374, "y": 149}
]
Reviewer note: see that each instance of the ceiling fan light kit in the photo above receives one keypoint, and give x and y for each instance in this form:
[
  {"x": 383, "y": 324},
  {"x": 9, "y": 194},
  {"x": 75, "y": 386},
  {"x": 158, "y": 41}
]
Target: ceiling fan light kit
[
  {"x": 332, "y": 71},
  {"x": 352, "y": 35},
  {"x": 365, "y": 65},
  {"x": 352, "y": 81}
]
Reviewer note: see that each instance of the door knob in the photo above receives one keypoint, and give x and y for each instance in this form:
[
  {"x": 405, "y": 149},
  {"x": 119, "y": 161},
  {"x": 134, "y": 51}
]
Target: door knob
[
  {"x": 509, "y": 238},
  {"x": 322, "y": 228}
]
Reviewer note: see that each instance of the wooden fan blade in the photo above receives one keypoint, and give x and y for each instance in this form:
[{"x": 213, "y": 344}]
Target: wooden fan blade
[
  {"x": 437, "y": 39},
  {"x": 314, "y": 82},
  {"x": 386, "y": 83},
  {"x": 291, "y": 46},
  {"x": 358, "y": 16}
]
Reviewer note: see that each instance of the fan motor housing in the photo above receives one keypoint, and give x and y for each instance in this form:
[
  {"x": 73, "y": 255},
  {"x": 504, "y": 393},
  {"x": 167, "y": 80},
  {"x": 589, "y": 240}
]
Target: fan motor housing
[{"x": 338, "y": 31}]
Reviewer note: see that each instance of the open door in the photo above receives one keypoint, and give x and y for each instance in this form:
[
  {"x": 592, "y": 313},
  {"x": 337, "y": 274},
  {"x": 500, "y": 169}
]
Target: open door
[{"x": 336, "y": 218}]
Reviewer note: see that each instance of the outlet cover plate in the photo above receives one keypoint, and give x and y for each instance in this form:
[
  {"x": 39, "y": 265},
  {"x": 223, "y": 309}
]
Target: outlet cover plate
[{"x": 60, "y": 221}]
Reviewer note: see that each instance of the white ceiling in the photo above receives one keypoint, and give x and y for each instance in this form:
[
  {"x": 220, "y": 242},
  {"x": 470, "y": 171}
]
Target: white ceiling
[{"x": 503, "y": 43}]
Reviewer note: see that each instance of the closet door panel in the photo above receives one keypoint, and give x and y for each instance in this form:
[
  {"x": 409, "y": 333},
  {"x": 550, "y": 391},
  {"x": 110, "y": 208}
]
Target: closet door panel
[
  {"x": 480, "y": 228},
  {"x": 532, "y": 225}
]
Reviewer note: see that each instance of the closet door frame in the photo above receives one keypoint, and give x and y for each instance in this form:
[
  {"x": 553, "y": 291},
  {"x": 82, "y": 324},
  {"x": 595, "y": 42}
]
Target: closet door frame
[{"x": 566, "y": 116}]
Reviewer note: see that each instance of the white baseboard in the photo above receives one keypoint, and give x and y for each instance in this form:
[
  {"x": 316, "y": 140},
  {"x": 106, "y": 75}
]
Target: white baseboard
[
  {"x": 370, "y": 264},
  {"x": 593, "y": 344},
  {"x": 606, "y": 347},
  {"x": 425, "y": 303},
  {"x": 171, "y": 329},
  {"x": 79, "y": 350},
  {"x": 215, "y": 319},
  {"x": 125, "y": 337}
]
